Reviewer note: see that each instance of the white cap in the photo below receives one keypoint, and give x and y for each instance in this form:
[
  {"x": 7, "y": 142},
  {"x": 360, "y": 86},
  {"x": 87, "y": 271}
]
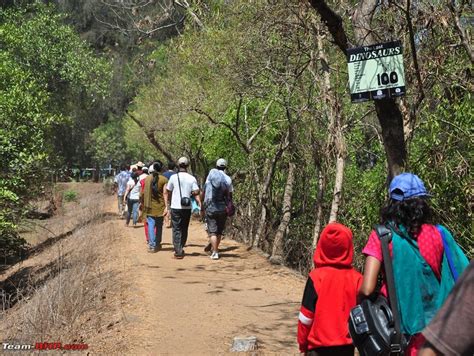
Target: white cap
[
  {"x": 183, "y": 161},
  {"x": 139, "y": 164},
  {"x": 221, "y": 163}
]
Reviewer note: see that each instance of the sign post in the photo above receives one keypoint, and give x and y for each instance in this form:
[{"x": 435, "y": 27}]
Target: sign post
[{"x": 376, "y": 72}]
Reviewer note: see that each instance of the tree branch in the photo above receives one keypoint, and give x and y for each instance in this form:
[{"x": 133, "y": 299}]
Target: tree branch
[
  {"x": 237, "y": 116},
  {"x": 185, "y": 5},
  {"x": 333, "y": 22},
  {"x": 225, "y": 124},
  {"x": 259, "y": 129},
  {"x": 466, "y": 41},
  {"x": 130, "y": 10},
  {"x": 151, "y": 137},
  {"x": 413, "y": 53}
]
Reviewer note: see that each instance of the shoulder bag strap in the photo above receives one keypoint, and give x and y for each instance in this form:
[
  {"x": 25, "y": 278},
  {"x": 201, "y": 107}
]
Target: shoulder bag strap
[
  {"x": 179, "y": 185},
  {"x": 227, "y": 192},
  {"x": 449, "y": 255},
  {"x": 130, "y": 190},
  {"x": 385, "y": 236}
]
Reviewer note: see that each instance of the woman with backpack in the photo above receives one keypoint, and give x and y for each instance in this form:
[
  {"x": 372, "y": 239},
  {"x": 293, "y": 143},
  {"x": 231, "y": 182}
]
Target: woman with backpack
[
  {"x": 423, "y": 276},
  {"x": 154, "y": 199},
  {"x": 217, "y": 194}
]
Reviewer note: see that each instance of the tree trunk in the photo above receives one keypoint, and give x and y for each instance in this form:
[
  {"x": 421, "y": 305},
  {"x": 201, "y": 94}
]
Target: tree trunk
[
  {"x": 336, "y": 198},
  {"x": 335, "y": 134},
  {"x": 388, "y": 112},
  {"x": 277, "y": 251},
  {"x": 391, "y": 122},
  {"x": 261, "y": 226},
  {"x": 265, "y": 190},
  {"x": 319, "y": 208},
  {"x": 96, "y": 174}
]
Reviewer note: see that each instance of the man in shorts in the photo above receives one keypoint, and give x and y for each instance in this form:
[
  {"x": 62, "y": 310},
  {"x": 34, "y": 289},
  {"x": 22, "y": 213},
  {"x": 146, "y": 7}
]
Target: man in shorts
[{"x": 217, "y": 190}]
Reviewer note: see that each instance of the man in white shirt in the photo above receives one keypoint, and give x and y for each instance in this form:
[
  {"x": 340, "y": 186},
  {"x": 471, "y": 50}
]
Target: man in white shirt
[{"x": 181, "y": 187}]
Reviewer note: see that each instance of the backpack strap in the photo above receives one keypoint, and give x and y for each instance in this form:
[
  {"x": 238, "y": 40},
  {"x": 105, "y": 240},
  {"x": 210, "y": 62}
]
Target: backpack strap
[
  {"x": 385, "y": 235},
  {"x": 448, "y": 253},
  {"x": 179, "y": 185}
]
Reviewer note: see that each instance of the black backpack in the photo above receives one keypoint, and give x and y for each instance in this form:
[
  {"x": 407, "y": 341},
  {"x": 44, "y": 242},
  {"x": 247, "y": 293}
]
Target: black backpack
[{"x": 374, "y": 325}]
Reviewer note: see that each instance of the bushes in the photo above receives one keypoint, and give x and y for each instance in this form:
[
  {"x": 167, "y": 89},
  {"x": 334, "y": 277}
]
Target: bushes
[{"x": 70, "y": 196}]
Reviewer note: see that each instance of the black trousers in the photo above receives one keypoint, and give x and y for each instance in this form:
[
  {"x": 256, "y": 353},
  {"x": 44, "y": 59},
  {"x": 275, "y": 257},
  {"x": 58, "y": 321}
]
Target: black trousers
[
  {"x": 180, "y": 221},
  {"x": 346, "y": 350}
]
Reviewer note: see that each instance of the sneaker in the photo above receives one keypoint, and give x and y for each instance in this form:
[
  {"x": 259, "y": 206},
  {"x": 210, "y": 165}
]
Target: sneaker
[
  {"x": 208, "y": 247},
  {"x": 151, "y": 250},
  {"x": 214, "y": 256}
]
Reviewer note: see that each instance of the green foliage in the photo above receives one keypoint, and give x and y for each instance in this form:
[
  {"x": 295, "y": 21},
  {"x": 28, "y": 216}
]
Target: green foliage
[
  {"x": 214, "y": 85},
  {"x": 107, "y": 143},
  {"x": 51, "y": 50},
  {"x": 46, "y": 75},
  {"x": 118, "y": 141},
  {"x": 70, "y": 196},
  {"x": 441, "y": 150},
  {"x": 24, "y": 124}
]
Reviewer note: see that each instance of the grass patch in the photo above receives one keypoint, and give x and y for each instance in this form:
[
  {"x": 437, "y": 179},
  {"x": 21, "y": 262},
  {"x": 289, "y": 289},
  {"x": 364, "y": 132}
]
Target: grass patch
[{"x": 70, "y": 196}]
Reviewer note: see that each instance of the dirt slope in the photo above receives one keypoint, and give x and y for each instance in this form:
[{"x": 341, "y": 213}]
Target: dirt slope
[{"x": 197, "y": 306}]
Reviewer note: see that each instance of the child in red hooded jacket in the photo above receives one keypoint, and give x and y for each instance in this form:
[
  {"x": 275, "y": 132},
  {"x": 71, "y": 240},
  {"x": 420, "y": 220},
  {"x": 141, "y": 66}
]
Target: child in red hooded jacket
[{"x": 329, "y": 295}]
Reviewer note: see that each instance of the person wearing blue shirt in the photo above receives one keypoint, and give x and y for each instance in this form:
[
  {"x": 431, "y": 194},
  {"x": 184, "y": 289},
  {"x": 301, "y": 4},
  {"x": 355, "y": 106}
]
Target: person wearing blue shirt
[{"x": 120, "y": 186}]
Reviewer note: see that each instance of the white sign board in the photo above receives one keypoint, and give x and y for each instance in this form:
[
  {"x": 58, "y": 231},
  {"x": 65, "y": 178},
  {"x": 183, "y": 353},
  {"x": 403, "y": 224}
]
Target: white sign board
[{"x": 376, "y": 72}]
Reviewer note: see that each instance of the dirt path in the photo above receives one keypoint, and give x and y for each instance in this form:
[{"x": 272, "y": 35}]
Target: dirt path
[{"x": 197, "y": 305}]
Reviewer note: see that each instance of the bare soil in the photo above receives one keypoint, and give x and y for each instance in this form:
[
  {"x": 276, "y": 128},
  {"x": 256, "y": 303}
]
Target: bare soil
[{"x": 197, "y": 305}]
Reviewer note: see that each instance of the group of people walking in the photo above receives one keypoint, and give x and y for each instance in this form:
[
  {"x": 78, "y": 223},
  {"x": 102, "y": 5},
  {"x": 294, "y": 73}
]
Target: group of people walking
[
  {"x": 169, "y": 197},
  {"x": 425, "y": 259}
]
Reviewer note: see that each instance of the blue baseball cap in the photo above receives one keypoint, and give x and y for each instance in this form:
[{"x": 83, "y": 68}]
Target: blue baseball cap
[{"x": 405, "y": 186}]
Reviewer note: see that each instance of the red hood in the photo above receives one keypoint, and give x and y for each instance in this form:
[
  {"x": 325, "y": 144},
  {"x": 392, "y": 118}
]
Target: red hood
[{"x": 334, "y": 247}]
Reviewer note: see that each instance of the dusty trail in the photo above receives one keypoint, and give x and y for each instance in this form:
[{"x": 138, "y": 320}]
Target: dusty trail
[{"x": 196, "y": 305}]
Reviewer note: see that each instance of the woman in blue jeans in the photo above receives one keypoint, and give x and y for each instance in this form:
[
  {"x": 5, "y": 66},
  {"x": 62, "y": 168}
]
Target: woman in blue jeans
[{"x": 132, "y": 198}]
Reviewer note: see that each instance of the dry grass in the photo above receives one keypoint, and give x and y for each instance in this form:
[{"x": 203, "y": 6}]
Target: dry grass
[{"x": 69, "y": 297}]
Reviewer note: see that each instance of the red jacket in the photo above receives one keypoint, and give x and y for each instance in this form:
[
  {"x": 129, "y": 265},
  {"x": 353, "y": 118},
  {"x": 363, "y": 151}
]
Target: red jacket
[{"x": 330, "y": 291}]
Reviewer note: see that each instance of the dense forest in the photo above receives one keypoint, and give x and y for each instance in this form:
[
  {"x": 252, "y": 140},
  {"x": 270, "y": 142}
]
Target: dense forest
[{"x": 261, "y": 83}]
